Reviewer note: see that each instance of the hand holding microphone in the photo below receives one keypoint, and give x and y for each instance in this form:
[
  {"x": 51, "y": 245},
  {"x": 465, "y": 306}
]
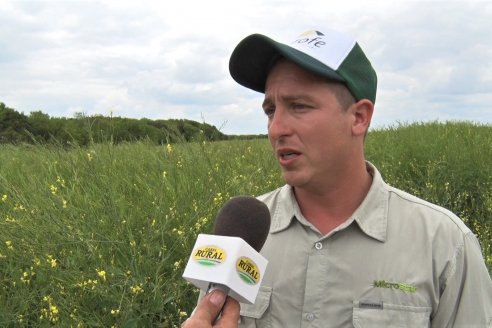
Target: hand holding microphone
[
  {"x": 214, "y": 303},
  {"x": 228, "y": 262}
]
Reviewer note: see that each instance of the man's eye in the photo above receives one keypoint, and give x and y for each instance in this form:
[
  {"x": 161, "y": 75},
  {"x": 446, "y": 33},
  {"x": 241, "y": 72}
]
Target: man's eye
[
  {"x": 299, "y": 106},
  {"x": 269, "y": 111}
]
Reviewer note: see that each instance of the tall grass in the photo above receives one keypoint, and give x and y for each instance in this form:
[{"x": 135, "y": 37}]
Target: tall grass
[
  {"x": 447, "y": 164},
  {"x": 99, "y": 236}
]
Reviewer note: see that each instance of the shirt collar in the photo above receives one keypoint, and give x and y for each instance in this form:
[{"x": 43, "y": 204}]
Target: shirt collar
[
  {"x": 371, "y": 215},
  {"x": 286, "y": 212}
]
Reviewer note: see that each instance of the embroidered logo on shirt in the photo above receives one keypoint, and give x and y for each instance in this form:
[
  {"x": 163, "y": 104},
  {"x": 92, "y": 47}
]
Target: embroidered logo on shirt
[{"x": 395, "y": 285}]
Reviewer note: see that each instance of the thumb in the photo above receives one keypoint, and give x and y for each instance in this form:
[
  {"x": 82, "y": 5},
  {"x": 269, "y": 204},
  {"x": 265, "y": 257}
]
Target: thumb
[{"x": 210, "y": 306}]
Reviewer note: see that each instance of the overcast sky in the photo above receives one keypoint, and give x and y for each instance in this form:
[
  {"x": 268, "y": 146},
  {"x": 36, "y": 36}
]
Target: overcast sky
[{"x": 169, "y": 59}]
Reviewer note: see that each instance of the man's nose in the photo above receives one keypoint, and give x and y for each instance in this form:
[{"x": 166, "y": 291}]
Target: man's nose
[{"x": 279, "y": 124}]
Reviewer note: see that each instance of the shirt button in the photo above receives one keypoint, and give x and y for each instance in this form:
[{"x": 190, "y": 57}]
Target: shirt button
[
  {"x": 318, "y": 245},
  {"x": 309, "y": 317}
]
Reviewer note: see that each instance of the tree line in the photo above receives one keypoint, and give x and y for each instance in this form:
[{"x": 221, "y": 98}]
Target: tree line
[{"x": 38, "y": 127}]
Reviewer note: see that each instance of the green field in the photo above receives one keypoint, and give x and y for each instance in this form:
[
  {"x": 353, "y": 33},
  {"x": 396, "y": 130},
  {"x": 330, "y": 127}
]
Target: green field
[{"x": 98, "y": 236}]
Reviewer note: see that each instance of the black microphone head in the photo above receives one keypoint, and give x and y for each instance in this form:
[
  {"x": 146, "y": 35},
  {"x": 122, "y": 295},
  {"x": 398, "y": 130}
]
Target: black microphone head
[{"x": 245, "y": 217}]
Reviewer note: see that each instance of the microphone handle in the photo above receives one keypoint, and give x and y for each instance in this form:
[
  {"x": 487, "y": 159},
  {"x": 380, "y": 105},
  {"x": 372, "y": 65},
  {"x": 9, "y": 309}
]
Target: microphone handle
[{"x": 213, "y": 286}]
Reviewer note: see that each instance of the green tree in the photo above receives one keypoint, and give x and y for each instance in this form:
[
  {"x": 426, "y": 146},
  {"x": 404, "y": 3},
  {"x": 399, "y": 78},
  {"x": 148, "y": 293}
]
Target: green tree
[
  {"x": 40, "y": 125},
  {"x": 14, "y": 126}
]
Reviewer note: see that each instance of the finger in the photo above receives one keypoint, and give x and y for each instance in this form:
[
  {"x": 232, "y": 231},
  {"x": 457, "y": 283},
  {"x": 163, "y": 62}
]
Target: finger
[
  {"x": 230, "y": 314},
  {"x": 210, "y": 306}
]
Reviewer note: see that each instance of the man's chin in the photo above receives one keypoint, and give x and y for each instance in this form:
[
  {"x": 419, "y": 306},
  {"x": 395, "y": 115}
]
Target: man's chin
[{"x": 293, "y": 180}]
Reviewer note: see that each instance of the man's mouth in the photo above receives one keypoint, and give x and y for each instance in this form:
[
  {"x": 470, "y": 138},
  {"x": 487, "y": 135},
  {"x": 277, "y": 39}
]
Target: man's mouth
[{"x": 288, "y": 155}]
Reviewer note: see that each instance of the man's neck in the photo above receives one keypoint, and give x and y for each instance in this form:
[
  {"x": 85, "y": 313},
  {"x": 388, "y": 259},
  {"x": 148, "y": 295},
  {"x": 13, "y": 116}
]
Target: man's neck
[{"x": 327, "y": 209}]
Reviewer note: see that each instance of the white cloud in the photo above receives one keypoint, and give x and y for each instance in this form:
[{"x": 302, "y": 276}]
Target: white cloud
[{"x": 170, "y": 59}]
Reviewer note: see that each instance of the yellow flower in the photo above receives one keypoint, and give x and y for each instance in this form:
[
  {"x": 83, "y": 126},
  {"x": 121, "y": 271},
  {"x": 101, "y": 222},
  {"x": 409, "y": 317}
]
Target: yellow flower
[
  {"x": 4, "y": 198},
  {"x": 115, "y": 311},
  {"x": 53, "y": 189},
  {"x": 25, "y": 278},
  {"x": 137, "y": 289},
  {"x": 9, "y": 244},
  {"x": 52, "y": 261},
  {"x": 101, "y": 274},
  {"x": 9, "y": 219},
  {"x": 19, "y": 207},
  {"x": 60, "y": 181},
  {"x": 54, "y": 309},
  {"x": 64, "y": 203},
  {"x": 218, "y": 198},
  {"x": 179, "y": 232},
  {"x": 169, "y": 148},
  {"x": 51, "y": 312}
]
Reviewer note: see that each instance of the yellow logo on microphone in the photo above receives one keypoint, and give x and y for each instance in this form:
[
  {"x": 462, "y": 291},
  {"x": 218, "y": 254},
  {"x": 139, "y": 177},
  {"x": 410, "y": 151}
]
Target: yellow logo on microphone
[
  {"x": 209, "y": 255},
  {"x": 248, "y": 270}
]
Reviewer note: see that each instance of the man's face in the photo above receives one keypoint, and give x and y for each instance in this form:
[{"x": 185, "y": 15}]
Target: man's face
[{"x": 309, "y": 131}]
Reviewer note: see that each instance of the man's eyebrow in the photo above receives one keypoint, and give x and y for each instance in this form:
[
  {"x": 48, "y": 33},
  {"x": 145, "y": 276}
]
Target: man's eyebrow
[
  {"x": 268, "y": 102},
  {"x": 297, "y": 98}
]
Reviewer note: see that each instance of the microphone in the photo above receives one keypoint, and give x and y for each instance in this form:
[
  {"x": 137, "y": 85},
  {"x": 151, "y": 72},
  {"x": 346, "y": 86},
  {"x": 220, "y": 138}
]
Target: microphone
[
  {"x": 229, "y": 259},
  {"x": 244, "y": 217}
]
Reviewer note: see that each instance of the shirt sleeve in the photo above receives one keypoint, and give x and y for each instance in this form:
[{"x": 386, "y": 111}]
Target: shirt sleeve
[{"x": 466, "y": 292}]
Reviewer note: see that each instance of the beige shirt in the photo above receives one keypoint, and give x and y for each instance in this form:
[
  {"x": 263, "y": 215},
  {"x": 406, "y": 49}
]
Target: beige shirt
[{"x": 397, "y": 262}]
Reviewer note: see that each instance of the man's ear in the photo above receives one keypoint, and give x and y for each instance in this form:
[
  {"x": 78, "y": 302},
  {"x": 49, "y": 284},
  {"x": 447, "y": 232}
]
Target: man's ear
[{"x": 362, "y": 114}]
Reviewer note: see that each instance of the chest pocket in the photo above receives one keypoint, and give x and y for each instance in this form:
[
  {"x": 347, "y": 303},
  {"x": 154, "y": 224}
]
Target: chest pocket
[
  {"x": 257, "y": 315},
  {"x": 391, "y": 315}
]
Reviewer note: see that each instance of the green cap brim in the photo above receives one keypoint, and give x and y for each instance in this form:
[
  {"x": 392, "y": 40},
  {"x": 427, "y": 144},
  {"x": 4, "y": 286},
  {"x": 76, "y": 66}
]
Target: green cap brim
[{"x": 253, "y": 57}]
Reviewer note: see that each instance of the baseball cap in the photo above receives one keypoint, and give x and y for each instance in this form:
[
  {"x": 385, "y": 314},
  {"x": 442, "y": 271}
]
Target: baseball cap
[{"x": 330, "y": 54}]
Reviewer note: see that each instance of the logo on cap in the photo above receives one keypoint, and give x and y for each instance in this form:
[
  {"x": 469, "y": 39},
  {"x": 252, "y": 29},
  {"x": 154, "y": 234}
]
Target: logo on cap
[
  {"x": 209, "y": 255},
  {"x": 312, "y": 39},
  {"x": 311, "y": 32}
]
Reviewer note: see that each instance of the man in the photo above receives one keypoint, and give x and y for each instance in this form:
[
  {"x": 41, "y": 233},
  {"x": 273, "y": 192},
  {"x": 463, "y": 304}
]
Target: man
[{"x": 345, "y": 249}]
